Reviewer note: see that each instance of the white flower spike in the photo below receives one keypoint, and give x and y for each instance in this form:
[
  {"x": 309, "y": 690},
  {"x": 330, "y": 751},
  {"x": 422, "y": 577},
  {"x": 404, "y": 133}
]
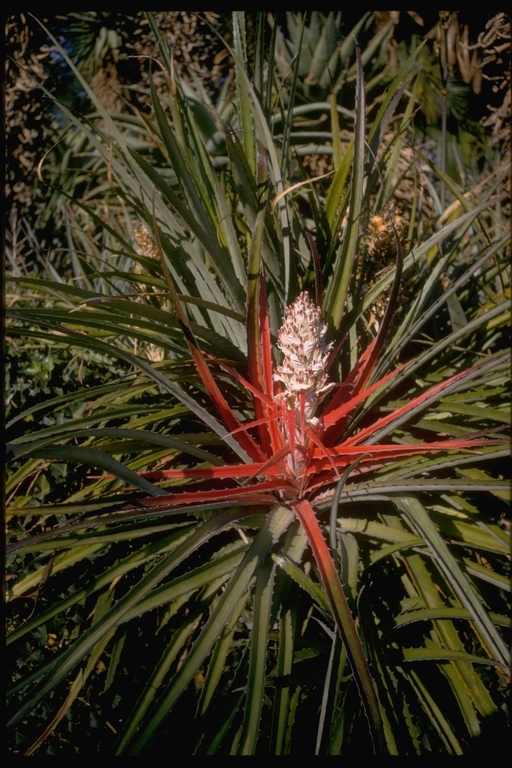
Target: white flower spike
[{"x": 303, "y": 371}]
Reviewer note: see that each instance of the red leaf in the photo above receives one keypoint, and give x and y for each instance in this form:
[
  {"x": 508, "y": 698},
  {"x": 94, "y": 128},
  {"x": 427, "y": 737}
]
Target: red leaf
[
  {"x": 376, "y": 426},
  {"x": 333, "y": 416},
  {"x": 229, "y": 470},
  {"x": 255, "y": 493}
]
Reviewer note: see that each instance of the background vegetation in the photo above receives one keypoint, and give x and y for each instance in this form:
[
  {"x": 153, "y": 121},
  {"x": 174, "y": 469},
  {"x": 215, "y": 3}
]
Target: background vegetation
[{"x": 194, "y": 126}]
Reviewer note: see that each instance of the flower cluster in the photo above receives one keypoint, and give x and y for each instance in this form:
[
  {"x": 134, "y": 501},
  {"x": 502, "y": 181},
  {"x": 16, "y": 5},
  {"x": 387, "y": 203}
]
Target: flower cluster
[{"x": 301, "y": 339}]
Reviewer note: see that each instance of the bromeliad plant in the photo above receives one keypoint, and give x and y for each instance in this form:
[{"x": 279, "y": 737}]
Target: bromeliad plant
[
  {"x": 198, "y": 585},
  {"x": 297, "y": 456}
]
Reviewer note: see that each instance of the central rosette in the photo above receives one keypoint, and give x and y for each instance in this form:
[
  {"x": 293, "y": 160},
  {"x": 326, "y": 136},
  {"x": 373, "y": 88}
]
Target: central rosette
[{"x": 303, "y": 371}]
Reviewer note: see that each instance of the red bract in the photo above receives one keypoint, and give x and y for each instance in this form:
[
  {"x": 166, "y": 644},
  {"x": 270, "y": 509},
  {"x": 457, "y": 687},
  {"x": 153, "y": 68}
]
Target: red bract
[{"x": 297, "y": 452}]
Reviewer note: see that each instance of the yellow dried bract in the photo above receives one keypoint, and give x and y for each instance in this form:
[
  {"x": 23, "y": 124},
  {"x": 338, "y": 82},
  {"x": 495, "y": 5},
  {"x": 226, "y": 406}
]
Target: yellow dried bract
[
  {"x": 380, "y": 240},
  {"x": 144, "y": 241}
]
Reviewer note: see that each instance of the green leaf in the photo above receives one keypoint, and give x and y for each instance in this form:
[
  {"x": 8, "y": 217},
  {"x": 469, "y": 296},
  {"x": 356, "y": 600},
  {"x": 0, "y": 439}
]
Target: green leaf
[
  {"x": 275, "y": 525},
  {"x": 305, "y": 582},
  {"x": 257, "y": 658},
  {"x": 96, "y": 458},
  {"x": 427, "y": 614},
  {"x": 338, "y": 287},
  {"x": 444, "y": 654},
  {"x": 450, "y": 568},
  {"x": 60, "y": 666}
]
